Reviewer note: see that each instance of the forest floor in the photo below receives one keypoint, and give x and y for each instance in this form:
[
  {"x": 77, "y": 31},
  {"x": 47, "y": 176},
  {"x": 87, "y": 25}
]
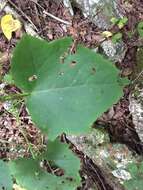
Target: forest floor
[{"x": 18, "y": 135}]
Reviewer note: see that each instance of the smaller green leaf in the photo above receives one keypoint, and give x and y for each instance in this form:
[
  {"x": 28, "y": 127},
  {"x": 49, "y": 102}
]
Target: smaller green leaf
[
  {"x": 117, "y": 37},
  {"x": 140, "y": 29},
  {"x": 29, "y": 174},
  {"x": 122, "y": 22},
  {"x": 5, "y": 177},
  {"x": 114, "y": 20}
]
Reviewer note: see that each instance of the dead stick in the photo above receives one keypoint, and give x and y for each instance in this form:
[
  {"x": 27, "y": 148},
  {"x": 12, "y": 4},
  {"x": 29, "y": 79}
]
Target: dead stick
[{"x": 51, "y": 15}]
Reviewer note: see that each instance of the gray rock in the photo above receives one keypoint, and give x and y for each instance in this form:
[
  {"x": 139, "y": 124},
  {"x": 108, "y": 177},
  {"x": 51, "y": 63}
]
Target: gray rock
[
  {"x": 136, "y": 98},
  {"x": 136, "y": 109},
  {"x": 67, "y": 4},
  {"x": 99, "y": 11},
  {"x": 122, "y": 174},
  {"x": 112, "y": 159},
  {"x": 114, "y": 52}
]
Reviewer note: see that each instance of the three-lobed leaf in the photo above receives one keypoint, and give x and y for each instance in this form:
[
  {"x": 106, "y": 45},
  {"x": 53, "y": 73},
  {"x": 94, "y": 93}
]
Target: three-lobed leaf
[{"x": 67, "y": 92}]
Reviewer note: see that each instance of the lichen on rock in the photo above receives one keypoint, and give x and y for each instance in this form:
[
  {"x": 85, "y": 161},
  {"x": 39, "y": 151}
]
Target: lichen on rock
[{"x": 111, "y": 158}]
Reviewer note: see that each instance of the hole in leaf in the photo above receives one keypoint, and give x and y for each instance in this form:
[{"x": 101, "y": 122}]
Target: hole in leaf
[
  {"x": 69, "y": 178},
  {"x": 52, "y": 168},
  {"x": 32, "y": 78},
  {"x": 93, "y": 70},
  {"x": 59, "y": 172},
  {"x": 61, "y": 73},
  {"x": 73, "y": 63},
  {"x": 62, "y": 57}
]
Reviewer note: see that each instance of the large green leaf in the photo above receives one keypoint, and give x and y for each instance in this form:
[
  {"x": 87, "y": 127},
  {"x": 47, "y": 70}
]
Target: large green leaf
[
  {"x": 64, "y": 97},
  {"x": 31, "y": 176},
  {"x": 5, "y": 177}
]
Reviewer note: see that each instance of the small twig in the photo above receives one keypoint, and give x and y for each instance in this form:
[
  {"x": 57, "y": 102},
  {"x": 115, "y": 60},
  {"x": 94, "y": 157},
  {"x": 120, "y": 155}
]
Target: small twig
[
  {"x": 73, "y": 47},
  {"x": 4, "y": 141},
  {"x": 139, "y": 75},
  {"x": 51, "y": 15},
  {"x": 23, "y": 14}
]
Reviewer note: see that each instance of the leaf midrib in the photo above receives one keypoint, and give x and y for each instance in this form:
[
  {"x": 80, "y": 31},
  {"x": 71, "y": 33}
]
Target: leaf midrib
[{"x": 70, "y": 87}]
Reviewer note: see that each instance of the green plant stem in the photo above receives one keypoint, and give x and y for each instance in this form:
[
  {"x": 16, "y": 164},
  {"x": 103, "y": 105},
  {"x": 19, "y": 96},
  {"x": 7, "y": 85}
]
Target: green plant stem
[{"x": 13, "y": 96}]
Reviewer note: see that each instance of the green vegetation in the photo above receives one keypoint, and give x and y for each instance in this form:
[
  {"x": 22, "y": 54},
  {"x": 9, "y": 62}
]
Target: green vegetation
[
  {"x": 136, "y": 182},
  {"x": 65, "y": 93}
]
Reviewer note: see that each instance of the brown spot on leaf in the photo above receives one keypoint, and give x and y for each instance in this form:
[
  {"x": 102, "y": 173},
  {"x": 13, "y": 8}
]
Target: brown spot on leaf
[
  {"x": 62, "y": 57},
  {"x": 32, "y": 78},
  {"x": 69, "y": 178},
  {"x": 93, "y": 70},
  {"x": 73, "y": 63},
  {"x": 61, "y": 73}
]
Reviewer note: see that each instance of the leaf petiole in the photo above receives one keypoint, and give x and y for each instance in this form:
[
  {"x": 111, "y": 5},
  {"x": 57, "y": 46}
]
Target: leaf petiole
[{"x": 13, "y": 97}]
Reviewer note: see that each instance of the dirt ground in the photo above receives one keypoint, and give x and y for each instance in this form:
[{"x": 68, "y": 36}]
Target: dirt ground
[{"x": 18, "y": 134}]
